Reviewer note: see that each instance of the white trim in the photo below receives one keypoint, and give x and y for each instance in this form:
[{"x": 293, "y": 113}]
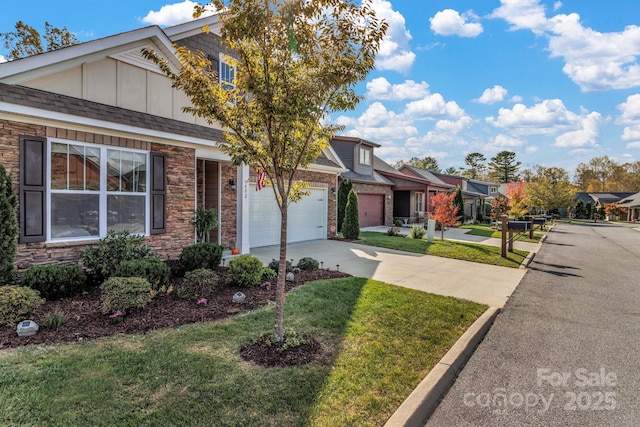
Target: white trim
[{"x": 191, "y": 28}]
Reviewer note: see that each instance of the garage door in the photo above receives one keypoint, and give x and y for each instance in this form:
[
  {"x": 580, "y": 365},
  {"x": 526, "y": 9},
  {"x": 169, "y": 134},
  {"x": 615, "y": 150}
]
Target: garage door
[
  {"x": 307, "y": 219},
  {"x": 371, "y": 209}
]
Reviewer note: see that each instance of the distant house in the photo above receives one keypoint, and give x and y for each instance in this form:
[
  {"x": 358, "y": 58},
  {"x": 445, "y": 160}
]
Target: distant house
[
  {"x": 435, "y": 185},
  {"x": 375, "y": 194},
  {"x": 477, "y": 194},
  {"x": 96, "y": 139},
  {"x": 599, "y": 199},
  {"x": 632, "y": 204}
]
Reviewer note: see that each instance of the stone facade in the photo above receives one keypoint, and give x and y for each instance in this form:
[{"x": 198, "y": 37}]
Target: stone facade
[
  {"x": 362, "y": 188},
  {"x": 180, "y": 192}
]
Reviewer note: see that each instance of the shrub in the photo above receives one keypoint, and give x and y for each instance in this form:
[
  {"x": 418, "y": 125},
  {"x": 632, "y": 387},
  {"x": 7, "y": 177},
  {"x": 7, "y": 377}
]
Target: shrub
[
  {"x": 16, "y": 302},
  {"x": 8, "y": 229},
  {"x": 397, "y": 223},
  {"x": 393, "y": 231},
  {"x": 343, "y": 193},
  {"x": 102, "y": 259},
  {"x": 154, "y": 270},
  {"x": 54, "y": 281},
  {"x": 417, "y": 232},
  {"x": 54, "y": 320},
  {"x": 351, "y": 225},
  {"x": 200, "y": 283},
  {"x": 269, "y": 274},
  {"x": 244, "y": 270},
  {"x": 274, "y": 264},
  {"x": 308, "y": 263},
  {"x": 201, "y": 255},
  {"x": 124, "y": 293}
]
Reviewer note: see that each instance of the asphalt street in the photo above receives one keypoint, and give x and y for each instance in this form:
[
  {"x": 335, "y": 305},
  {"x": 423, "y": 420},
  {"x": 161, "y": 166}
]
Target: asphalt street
[{"x": 565, "y": 351}]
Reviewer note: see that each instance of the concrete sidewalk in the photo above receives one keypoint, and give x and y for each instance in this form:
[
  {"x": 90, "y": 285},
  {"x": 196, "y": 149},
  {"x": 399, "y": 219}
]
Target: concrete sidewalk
[{"x": 487, "y": 284}]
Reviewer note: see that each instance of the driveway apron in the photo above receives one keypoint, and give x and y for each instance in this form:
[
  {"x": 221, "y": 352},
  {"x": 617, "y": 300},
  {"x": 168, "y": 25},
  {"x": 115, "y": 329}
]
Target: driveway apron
[
  {"x": 482, "y": 283},
  {"x": 565, "y": 350}
]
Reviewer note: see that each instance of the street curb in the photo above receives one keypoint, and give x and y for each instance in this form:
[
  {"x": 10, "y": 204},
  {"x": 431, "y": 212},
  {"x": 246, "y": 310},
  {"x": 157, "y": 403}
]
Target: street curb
[{"x": 421, "y": 403}]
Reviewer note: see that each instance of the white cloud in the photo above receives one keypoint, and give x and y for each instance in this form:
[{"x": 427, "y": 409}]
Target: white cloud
[
  {"x": 395, "y": 53},
  {"x": 172, "y": 14},
  {"x": 515, "y": 99},
  {"x": 631, "y": 133},
  {"x": 380, "y": 88},
  {"x": 378, "y": 124},
  {"x": 504, "y": 141},
  {"x": 593, "y": 60},
  {"x": 449, "y": 22},
  {"x": 453, "y": 127},
  {"x": 543, "y": 118},
  {"x": 557, "y": 5},
  {"x": 492, "y": 95},
  {"x": 633, "y": 144},
  {"x": 522, "y": 14},
  {"x": 630, "y": 110},
  {"x": 2, "y": 59},
  {"x": 432, "y": 107},
  {"x": 586, "y": 136},
  {"x": 531, "y": 149}
]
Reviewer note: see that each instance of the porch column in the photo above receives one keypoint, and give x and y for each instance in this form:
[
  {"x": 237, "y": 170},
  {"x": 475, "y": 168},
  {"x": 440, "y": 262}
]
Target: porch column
[{"x": 243, "y": 209}]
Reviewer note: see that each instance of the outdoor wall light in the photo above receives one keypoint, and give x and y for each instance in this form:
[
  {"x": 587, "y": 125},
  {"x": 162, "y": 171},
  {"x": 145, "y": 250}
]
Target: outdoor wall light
[
  {"x": 333, "y": 190},
  {"x": 232, "y": 183}
]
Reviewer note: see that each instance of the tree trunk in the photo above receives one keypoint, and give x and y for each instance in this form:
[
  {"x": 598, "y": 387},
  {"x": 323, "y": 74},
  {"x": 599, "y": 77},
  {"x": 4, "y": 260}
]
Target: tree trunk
[{"x": 278, "y": 330}]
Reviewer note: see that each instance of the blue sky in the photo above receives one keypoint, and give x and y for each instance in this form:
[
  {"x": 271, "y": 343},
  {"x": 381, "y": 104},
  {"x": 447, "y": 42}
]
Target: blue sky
[{"x": 557, "y": 82}]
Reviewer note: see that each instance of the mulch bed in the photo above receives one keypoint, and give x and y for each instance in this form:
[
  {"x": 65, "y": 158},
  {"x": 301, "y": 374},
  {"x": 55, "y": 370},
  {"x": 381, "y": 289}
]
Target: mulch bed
[
  {"x": 263, "y": 352},
  {"x": 85, "y": 321}
]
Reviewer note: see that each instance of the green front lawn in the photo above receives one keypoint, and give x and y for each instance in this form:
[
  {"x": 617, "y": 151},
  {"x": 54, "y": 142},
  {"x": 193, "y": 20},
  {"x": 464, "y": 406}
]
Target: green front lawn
[
  {"x": 487, "y": 231},
  {"x": 447, "y": 248},
  {"x": 379, "y": 342}
]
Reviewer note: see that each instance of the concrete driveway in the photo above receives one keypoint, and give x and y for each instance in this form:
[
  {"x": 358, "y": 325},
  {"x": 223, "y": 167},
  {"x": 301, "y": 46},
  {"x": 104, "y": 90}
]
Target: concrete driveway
[{"x": 482, "y": 283}]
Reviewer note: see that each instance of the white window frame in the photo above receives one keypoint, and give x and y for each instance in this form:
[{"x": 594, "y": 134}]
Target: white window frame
[
  {"x": 102, "y": 193},
  {"x": 364, "y": 156},
  {"x": 224, "y": 71},
  {"x": 419, "y": 207}
]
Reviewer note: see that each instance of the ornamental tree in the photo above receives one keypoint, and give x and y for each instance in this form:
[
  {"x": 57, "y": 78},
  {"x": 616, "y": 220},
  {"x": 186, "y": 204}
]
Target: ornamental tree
[
  {"x": 444, "y": 210},
  {"x": 458, "y": 202},
  {"x": 295, "y": 62},
  {"x": 516, "y": 192},
  {"x": 351, "y": 224},
  {"x": 343, "y": 194}
]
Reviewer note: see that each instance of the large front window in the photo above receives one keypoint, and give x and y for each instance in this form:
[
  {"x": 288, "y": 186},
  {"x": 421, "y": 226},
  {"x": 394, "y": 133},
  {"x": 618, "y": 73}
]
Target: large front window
[{"x": 94, "y": 189}]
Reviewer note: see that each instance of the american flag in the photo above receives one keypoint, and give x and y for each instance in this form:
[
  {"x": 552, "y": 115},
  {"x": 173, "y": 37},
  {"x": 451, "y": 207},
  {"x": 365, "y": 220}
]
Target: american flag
[{"x": 260, "y": 184}]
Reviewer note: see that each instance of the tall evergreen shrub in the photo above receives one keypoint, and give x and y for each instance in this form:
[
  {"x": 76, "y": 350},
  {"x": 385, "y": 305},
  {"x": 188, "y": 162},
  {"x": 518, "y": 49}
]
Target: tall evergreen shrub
[
  {"x": 8, "y": 229},
  {"x": 351, "y": 226},
  {"x": 458, "y": 202},
  {"x": 343, "y": 194}
]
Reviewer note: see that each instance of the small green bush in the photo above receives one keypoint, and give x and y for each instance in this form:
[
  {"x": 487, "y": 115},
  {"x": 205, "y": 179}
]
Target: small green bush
[
  {"x": 308, "y": 263},
  {"x": 397, "y": 223},
  {"x": 245, "y": 270},
  {"x": 393, "y": 231},
  {"x": 54, "y": 281},
  {"x": 102, "y": 259},
  {"x": 201, "y": 255},
  {"x": 269, "y": 274},
  {"x": 8, "y": 228},
  {"x": 274, "y": 264},
  {"x": 351, "y": 224},
  {"x": 417, "y": 232},
  {"x": 200, "y": 283},
  {"x": 16, "y": 302},
  {"x": 124, "y": 293},
  {"x": 54, "y": 320},
  {"x": 154, "y": 270}
]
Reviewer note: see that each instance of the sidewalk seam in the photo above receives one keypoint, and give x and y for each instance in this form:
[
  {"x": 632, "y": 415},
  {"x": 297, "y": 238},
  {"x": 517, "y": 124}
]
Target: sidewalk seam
[{"x": 424, "y": 399}]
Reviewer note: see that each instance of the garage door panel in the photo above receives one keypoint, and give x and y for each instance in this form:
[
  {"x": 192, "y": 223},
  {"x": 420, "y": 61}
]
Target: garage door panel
[
  {"x": 371, "y": 209},
  {"x": 306, "y": 219}
]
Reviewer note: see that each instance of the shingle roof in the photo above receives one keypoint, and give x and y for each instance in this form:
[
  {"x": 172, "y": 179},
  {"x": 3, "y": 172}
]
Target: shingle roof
[
  {"x": 428, "y": 175},
  {"x": 49, "y": 101},
  {"x": 376, "y": 178}
]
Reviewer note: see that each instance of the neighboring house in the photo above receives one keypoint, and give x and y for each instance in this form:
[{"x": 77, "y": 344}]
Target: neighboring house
[
  {"x": 477, "y": 195},
  {"x": 435, "y": 186},
  {"x": 599, "y": 199},
  {"x": 632, "y": 204},
  {"x": 375, "y": 194},
  {"x": 95, "y": 138}
]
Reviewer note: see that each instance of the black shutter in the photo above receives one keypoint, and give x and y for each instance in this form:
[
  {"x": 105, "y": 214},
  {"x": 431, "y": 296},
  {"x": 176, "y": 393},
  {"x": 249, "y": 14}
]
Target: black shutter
[
  {"x": 33, "y": 189},
  {"x": 158, "y": 194}
]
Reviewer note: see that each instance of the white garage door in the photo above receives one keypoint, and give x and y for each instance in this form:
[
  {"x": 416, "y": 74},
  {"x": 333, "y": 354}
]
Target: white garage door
[{"x": 307, "y": 219}]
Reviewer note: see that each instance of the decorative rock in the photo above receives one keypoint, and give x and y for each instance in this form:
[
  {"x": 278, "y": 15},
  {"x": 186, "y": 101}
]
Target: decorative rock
[
  {"x": 26, "y": 328},
  {"x": 238, "y": 297},
  {"x": 290, "y": 277}
]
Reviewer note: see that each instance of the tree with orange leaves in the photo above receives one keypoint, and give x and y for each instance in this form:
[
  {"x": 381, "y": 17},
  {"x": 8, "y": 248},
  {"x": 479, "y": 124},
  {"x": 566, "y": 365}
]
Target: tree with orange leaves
[{"x": 444, "y": 211}]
